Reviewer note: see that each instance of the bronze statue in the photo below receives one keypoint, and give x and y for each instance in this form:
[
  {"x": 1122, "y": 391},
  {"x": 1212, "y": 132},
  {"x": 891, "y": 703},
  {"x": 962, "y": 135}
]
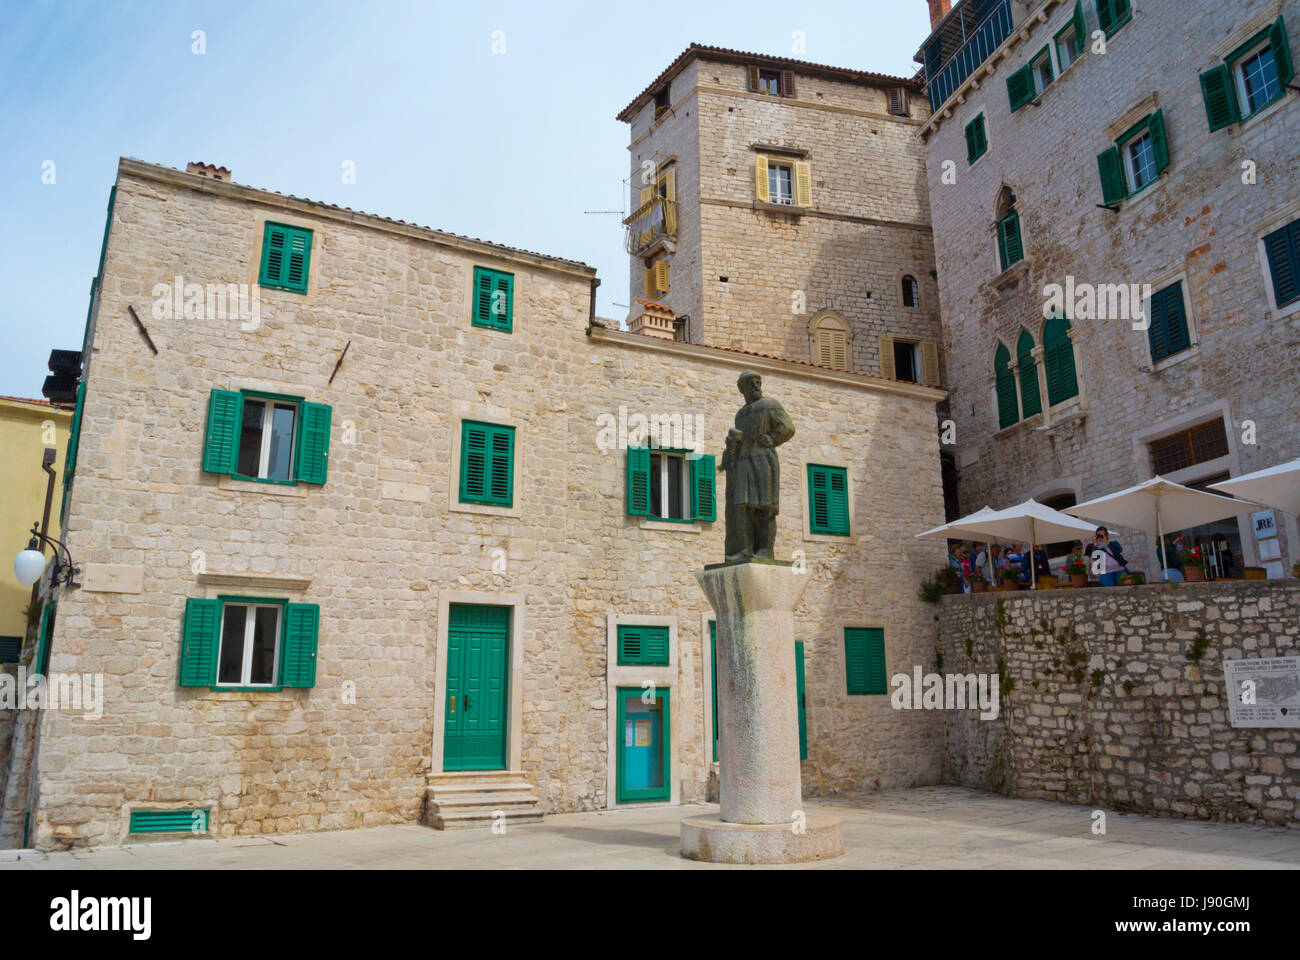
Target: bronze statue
[{"x": 754, "y": 473}]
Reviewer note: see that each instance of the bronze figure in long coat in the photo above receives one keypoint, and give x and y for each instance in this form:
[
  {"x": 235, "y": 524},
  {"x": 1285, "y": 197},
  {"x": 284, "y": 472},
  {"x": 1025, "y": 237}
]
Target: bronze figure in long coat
[{"x": 754, "y": 472}]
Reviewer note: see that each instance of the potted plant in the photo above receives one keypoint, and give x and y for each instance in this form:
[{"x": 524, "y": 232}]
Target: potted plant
[
  {"x": 1077, "y": 568},
  {"x": 978, "y": 584},
  {"x": 1194, "y": 565},
  {"x": 948, "y": 577},
  {"x": 1010, "y": 579},
  {"x": 1048, "y": 581},
  {"x": 1130, "y": 579}
]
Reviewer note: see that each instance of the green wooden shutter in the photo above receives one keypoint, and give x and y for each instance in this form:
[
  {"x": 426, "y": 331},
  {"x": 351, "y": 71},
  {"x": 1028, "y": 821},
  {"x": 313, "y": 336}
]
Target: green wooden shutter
[
  {"x": 976, "y": 139},
  {"x": 1030, "y": 398},
  {"x": 638, "y": 481},
  {"x": 1283, "y": 250},
  {"x": 645, "y": 646},
  {"x": 199, "y": 637},
  {"x": 1159, "y": 142},
  {"x": 704, "y": 488},
  {"x": 221, "y": 440},
  {"x": 828, "y": 500},
  {"x": 1281, "y": 51},
  {"x": 313, "y": 442},
  {"x": 839, "y": 502},
  {"x": 1113, "y": 14},
  {"x": 1008, "y": 405},
  {"x": 487, "y": 453},
  {"x": 494, "y": 293},
  {"x": 74, "y": 435},
  {"x": 1010, "y": 247},
  {"x": 1020, "y": 87},
  {"x": 864, "y": 660},
  {"x": 1062, "y": 381},
  {"x": 1114, "y": 187},
  {"x": 473, "y": 462},
  {"x": 1168, "y": 333},
  {"x": 1157, "y": 335},
  {"x": 1220, "y": 95},
  {"x": 1080, "y": 27},
  {"x": 501, "y": 466},
  {"x": 298, "y": 656},
  {"x": 286, "y": 257}
]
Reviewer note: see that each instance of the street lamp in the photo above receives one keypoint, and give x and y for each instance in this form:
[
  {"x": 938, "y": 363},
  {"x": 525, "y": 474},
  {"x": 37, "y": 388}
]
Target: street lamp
[{"x": 29, "y": 564}]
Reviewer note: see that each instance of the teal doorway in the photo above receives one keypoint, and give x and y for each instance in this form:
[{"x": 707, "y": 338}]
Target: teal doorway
[
  {"x": 475, "y": 713},
  {"x": 643, "y": 746}
]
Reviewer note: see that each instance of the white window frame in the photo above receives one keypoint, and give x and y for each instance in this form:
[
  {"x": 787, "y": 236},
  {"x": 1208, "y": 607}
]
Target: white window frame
[
  {"x": 1239, "y": 78},
  {"x": 1131, "y": 163},
  {"x": 662, "y": 513},
  {"x": 1035, "y": 67},
  {"x": 774, "y": 179},
  {"x": 1068, "y": 35},
  {"x": 250, "y": 624},
  {"x": 761, "y": 80},
  {"x": 264, "y": 456}
]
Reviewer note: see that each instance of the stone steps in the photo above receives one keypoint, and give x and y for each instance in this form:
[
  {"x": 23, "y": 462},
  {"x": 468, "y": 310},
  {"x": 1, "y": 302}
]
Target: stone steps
[{"x": 475, "y": 798}]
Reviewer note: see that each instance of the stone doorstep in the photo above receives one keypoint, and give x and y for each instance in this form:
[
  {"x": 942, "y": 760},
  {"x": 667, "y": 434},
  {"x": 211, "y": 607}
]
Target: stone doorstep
[{"x": 473, "y": 798}]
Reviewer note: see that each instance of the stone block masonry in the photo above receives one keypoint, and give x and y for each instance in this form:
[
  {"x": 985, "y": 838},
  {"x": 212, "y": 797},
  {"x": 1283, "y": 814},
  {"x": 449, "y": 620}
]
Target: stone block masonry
[{"x": 1115, "y": 698}]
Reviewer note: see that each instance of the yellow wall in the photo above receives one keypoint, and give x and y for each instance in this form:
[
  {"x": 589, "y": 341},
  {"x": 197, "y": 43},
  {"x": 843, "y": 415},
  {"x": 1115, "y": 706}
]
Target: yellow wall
[{"x": 26, "y": 429}]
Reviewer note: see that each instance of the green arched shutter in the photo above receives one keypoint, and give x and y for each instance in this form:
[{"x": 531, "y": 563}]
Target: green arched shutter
[
  {"x": 1008, "y": 406},
  {"x": 1058, "y": 357},
  {"x": 1030, "y": 398}
]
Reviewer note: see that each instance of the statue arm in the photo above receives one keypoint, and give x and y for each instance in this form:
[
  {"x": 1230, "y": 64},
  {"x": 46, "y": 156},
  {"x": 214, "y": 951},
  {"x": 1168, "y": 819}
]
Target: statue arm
[{"x": 782, "y": 427}]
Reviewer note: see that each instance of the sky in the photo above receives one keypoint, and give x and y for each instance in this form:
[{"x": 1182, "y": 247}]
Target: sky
[{"x": 512, "y": 145}]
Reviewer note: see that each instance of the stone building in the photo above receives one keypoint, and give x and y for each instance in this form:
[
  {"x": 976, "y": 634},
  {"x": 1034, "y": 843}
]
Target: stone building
[
  {"x": 364, "y": 539},
  {"x": 779, "y": 206},
  {"x": 1117, "y": 236}
]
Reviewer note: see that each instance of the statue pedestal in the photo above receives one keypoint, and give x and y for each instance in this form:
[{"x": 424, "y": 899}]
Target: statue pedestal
[{"x": 761, "y": 818}]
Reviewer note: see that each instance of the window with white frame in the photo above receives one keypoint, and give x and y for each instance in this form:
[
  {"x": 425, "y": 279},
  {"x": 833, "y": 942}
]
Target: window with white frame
[
  {"x": 1140, "y": 161},
  {"x": 670, "y": 486},
  {"x": 250, "y": 644},
  {"x": 780, "y": 183},
  {"x": 1069, "y": 47},
  {"x": 1042, "y": 67},
  {"x": 266, "y": 438},
  {"x": 1258, "y": 83}
]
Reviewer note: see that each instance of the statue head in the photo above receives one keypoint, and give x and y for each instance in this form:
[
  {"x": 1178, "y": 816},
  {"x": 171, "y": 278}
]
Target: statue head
[{"x": 751, "y": 385}]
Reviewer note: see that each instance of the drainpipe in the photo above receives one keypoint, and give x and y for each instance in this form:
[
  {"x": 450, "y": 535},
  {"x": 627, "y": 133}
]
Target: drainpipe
[{"x": 591, "y": 314}]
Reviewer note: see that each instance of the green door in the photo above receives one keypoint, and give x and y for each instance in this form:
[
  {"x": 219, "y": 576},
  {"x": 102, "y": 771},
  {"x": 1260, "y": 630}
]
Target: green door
[
  {"x": 801, "y": 699},
  {"x": 643, "y": 750},
  {"x": 474, "y": 716}
]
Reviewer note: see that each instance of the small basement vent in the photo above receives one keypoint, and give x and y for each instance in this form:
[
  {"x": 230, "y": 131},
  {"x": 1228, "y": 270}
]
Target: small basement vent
[{"x": 169, "y": 821}]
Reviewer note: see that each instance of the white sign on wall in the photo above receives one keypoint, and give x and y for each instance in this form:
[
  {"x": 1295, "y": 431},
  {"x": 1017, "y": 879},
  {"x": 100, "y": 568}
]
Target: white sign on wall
[
  {"x": 1264, "y": 692},
  {"x": 1265, "y": 524}
]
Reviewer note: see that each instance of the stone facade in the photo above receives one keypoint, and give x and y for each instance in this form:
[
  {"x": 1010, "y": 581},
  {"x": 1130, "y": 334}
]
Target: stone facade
[
  {"x": 384, "y": 544},
  {"x": 1111, "y": 700},
  {"x": 756, "y": 276},
  {"x": 1201, "y": 224}
]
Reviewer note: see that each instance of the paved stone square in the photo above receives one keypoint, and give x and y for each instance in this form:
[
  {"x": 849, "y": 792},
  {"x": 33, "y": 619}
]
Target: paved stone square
[{"x": 929, "y": 828}]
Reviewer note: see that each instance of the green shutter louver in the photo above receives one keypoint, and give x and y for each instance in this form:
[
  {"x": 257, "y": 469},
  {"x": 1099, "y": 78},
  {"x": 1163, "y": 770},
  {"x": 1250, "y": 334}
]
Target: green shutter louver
[
  {"x": 828, "y": 500},
  {"x": 1008, "y": 405},
  {"x": 703, "y": 488},
  {"x": 643, "y": 646},
  {"x": 286, "y": 257},
  {"x": 74, "y": 435},
  {"x": 1159, "y": 141},
  {"x": 1010, "y": 247},
  {"x": 638, "y": 481},
  {"x": 1113, "y": 14},
  {"x": 221, "y": 439},
  {"x": 1282, "y": 247},
  {"x": 1220, "y": 95},
  {"x": 1114, "y": 187},
  {"x": 1030, "y": 398},
  {"x": 864, "y": 660},
  {"x": 1058, "y": 358},
  {"x": 1080, "y": 27},
  {"x": 199, "y": 637},
  {"x": 1281, "y": 51},
  {"x": 1020, "y": 87},
  {"x": 298, "y": 656},
  {"x": 313, "y": 442},
  {"x": 977, "y": 143},
  {"x": 1167, "y": 332},
  {"x": 487, "y": 464},
  {"x": 170, "y": 821},
  {"x": 494, "y": 294}
]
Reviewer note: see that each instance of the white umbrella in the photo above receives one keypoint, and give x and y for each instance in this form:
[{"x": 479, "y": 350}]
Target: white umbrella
[
  {"x": 1158, "y": 504},
  {"x": 1277, "y": 487},
  {"x": 957, "y": 528},
  {"x": 1031, "y": 522}
]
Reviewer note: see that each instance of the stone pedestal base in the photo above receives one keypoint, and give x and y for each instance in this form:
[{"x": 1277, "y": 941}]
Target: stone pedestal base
[{"x": 711, "y": 839}]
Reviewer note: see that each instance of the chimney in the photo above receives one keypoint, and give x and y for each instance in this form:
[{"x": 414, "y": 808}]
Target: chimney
[
  {"x": 938, "y": 10},
  {"x": 208, "y": 170},
  {"x": 652, "y": 320}
]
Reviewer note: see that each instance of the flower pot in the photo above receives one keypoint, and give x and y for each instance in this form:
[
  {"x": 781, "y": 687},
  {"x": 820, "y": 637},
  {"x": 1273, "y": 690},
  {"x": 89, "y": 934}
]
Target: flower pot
[
  {"x": 1078, "y": 579},
  {"x": 1048, "y": 582},
  {"x": 979, "y": 586},
  {"x": 1193, "y": 574},
  {"x": 1256, "y": 573}
]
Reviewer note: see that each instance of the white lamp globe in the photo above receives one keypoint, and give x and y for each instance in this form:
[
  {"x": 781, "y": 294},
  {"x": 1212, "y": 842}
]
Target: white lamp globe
[{"x": 28, "y": 566}]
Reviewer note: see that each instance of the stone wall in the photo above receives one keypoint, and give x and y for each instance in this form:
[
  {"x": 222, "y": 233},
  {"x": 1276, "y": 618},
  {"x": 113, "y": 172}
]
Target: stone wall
[
  {"x": 1113, "y": 703},
  {"x": 1201, "y": 223},
  {"x": 384, "y": 539}
]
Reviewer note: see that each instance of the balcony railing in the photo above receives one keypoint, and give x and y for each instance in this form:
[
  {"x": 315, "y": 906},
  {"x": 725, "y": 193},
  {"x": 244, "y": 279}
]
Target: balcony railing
[
  {"x": 976, "y": 41},
  {"x": 655, "y": 218}
]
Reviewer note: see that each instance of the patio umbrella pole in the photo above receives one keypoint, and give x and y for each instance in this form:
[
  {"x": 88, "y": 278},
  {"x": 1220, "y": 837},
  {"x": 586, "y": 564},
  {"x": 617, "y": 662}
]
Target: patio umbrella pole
[
  {"x": 1033, "y": 571},
  {"x": 1160, "y": 540}
]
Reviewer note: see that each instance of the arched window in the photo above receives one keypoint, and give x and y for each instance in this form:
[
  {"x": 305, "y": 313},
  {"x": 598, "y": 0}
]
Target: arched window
[
  {"x": 1011, "y": 248},
  {"x": 1008, "y": 408},
  {"x": 830, "y": 346},
  {"x": 1030, "y": 401},
  {"x": 1058, "y": 359},
  {"x": 911, "y": 291}
]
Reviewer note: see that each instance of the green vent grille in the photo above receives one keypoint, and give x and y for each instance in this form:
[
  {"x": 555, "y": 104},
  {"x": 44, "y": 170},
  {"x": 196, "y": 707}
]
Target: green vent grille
[{"x": 169, "y": 821}]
